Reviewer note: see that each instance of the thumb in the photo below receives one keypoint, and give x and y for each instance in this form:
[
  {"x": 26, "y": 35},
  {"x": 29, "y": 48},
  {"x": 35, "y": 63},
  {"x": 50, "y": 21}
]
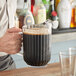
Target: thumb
[{"x": 14, "y": 30}]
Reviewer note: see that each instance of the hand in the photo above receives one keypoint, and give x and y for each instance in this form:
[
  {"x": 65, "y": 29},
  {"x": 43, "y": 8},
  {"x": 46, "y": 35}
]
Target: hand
[{"x": 11, "y": 41}]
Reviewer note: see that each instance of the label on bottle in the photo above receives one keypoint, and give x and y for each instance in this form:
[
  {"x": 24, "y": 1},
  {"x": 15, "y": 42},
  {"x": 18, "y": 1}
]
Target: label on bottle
[
  {"x": 27, "y": 20},
  {"x": 64, "y": 10},
  {"x": 41, "y": 17},
  {"x": 64, "y": 16},
  {"x": 47, "y": 6},
  {"x": 75, "y": 14},
  {"x": 47, "y": 0}
]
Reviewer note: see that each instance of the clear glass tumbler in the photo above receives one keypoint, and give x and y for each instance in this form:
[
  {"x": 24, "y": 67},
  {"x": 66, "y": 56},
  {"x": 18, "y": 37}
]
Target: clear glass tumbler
[{"x": 68, "y": 62}]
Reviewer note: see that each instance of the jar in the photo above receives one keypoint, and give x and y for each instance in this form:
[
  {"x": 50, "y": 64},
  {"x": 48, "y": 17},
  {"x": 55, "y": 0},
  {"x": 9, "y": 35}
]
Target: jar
[{"x": 64, "y": 11}]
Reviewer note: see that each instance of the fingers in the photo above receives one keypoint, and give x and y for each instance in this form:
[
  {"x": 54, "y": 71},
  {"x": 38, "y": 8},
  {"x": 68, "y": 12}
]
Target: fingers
[
  {"x": 14, "y": 30},
  {"x": 17, "y": 36},
  {"x": 16, "y": 43},
  {"x": 16, "y": 47},
  {"x": 11, "y": 41}
]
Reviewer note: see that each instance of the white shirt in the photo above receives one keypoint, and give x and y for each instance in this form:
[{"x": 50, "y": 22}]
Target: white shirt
[{"x": 7, "y": 12}]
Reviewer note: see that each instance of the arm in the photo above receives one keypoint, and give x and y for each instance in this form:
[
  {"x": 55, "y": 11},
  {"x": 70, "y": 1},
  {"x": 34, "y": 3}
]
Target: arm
[{"x": 0, "y": 45}]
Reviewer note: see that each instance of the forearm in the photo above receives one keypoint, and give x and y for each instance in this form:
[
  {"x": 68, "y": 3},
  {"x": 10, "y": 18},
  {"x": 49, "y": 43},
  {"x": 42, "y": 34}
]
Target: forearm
[{"x": 1, "y": 45}]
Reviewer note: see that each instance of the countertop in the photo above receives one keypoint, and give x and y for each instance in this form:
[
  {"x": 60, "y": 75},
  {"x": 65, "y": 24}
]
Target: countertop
[{"x": 49, "y": 70}]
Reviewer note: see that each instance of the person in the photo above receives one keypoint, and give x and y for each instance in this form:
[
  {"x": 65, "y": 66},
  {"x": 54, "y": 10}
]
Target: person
[{"x": 10, "y": 39}]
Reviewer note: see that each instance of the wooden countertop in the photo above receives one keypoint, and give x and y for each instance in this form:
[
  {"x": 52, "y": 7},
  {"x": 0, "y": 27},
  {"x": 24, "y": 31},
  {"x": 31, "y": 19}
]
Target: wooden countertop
[{"x": 49, "y": 70}]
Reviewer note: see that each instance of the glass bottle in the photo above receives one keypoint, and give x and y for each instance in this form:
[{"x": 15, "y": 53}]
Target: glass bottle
[
  {"x": 64, "y": 10},
  {"x": 73, "y": 18},
  {"x": 51, "y": 9},
  {"x": 16, "y": 20},
  {"x": 55, "y": 20},
  {"x": 52, "y": 13},
  {"x": 39, "y": 12},
  {"x": 56, "y": 4},
  {"x": 29, "y": 4},
  {"x": 46, "y": 4},
  {"x": 32, "y": 5},
  {"x": 25, "y": 16}
]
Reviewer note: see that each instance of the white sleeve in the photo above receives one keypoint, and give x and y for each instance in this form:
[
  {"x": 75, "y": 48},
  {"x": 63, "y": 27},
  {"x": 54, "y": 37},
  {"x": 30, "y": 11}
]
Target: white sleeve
[
  {"x": 3, "y": 18},
  {"x": 11, "y": 7},
  {"x": 3, "y": 21},
  {"x": 20, "y": 4}
]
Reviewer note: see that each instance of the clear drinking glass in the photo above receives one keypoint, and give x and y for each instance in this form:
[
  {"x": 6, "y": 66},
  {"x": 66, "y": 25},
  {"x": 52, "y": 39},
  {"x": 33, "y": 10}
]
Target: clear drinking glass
[
  {"x": 68, "y": 62},
  {"x": 37, "y": 43}
]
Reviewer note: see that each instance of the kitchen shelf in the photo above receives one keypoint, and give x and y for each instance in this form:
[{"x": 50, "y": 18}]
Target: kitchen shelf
[
  {"x": 66, "y": 30},
  {"x": 61, "y": 35}
]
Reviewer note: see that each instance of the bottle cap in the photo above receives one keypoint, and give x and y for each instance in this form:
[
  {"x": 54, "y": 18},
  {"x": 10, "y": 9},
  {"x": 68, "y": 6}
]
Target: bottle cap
[
  {"x": 25, "y": 0},
  {"x": 54, "y": 13}
]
